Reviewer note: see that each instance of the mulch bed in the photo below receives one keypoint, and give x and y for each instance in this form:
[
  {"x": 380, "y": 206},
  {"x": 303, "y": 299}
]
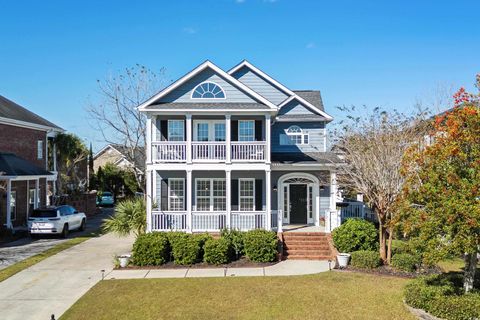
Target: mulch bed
[
  {"x": 240, "y": 263},
  {"x": 388, "y": 271}
]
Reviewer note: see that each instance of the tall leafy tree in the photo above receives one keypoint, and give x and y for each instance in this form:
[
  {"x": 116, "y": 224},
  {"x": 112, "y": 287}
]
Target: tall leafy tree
[
  {"x": 71, "y": 160},
  {"x": 441, "y": 196}
]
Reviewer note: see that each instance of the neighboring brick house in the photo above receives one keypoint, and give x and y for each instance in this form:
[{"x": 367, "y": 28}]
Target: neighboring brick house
[
  {"x": 27, "y": 168},
  {"x": 120, "y": 156}
]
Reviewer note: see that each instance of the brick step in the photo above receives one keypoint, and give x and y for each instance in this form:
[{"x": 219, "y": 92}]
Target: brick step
[
  {"x": 307, "y": 252},
  {"x": 305, "y": 238},
  {"x": 308, "y": 246},
  {"x": 302, "y": 234},
  {"x": 308, "y": 257},
  {"x": 306, "y": 241}
]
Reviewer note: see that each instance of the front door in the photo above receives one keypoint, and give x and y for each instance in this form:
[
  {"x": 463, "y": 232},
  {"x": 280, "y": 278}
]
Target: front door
[{"x": 298, "y": 204}]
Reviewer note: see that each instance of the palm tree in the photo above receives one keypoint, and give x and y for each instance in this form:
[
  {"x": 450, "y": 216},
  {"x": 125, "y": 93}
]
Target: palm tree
[{"x": 130, "y": 216}]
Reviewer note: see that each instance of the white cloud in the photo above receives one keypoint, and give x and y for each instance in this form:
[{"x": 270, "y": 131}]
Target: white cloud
[
  {"x": 310, "y": 45},
  {"x": 189, "y": 30}
]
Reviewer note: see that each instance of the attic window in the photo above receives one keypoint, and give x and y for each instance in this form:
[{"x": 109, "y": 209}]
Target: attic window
[
  {"x": 208, "y": 90},
  {"x": 294, "y": 136}
]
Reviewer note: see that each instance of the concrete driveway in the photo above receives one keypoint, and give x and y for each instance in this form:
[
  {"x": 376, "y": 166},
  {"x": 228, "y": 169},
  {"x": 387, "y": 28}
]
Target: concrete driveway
[
  {"x": 54, "y": 284},
  {"x": 21, "y": 249}
]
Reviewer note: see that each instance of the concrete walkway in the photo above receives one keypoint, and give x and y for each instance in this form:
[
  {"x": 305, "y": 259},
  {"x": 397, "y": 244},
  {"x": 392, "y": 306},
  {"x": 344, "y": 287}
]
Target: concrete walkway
[
  {"x": 54, "y": 284},
  {"x": 284, "y": 268}
]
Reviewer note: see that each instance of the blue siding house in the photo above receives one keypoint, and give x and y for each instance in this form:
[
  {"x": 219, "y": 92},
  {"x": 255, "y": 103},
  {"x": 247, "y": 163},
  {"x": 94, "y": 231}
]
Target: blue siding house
[{"x": 237, "y": 149}]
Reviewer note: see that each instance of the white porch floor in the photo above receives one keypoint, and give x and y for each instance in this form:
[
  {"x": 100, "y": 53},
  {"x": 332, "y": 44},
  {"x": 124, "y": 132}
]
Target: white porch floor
[{"x": 302, "y": 228}]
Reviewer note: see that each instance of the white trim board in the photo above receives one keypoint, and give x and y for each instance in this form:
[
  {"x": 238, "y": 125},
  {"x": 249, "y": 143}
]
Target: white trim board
[
  {"x": 29, "y": 125},
  {"x": 200, "y": 68}
]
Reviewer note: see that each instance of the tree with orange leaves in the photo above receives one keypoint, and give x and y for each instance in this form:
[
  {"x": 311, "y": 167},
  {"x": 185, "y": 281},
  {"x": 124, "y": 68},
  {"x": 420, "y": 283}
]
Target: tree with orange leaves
[{"x": 441, "y": 194}]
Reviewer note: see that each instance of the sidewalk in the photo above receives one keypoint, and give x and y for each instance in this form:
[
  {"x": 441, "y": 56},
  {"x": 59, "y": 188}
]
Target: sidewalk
[{"x": 284, "y": 268}]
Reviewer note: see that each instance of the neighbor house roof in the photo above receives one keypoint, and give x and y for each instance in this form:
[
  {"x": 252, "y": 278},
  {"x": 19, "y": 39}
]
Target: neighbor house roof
[
  {"x": 14, "y": 166},
  {"x": 305, "y": 158},
  {"x": 138, "y": 154},
  {"x": 13, "y": 112}
]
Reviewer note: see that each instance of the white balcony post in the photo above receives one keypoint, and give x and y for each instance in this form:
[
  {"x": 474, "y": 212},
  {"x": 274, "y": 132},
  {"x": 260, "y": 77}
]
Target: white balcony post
[
  {"x": 149, "y": 200},
  {"x": 334, "y": 215},
  {"x": 228, "y": 193},
  {"x": 188, "y": 124},
  {"x": 228, "y": 138},
  {"x": 267, "y": 138},
  {"x": 149, "y": 139},
  {"x": 37, "y": 193},
  {"x": 9, "y": 195},
  {"x": 268, "y": 191},
  {"x": 189, "y": 201}
]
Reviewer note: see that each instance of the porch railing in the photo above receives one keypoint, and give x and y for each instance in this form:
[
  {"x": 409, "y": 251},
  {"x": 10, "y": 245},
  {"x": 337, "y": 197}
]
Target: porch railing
[
  {"x": 169, "y": 221},
  {"x": 353, "y": 210},
  {"x": 207, "y": 150},
  {"x": 208, "y": 221},
  {"x": 248, "y": 150},
  {"x": 248, "y": 220},
  {"x": 169, "y": 151}
]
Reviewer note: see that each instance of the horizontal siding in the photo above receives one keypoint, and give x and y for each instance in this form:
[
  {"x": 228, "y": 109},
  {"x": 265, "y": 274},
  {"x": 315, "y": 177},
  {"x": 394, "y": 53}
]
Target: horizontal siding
[
  {"x": 260, "y": 85},
  {"x": 315, "y": 130},
  {"x": 184, "y": 92},
  {"x": 295, "y": 107}
]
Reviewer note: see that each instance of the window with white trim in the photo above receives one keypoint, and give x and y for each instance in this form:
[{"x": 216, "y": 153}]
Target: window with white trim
[
  {"x": 210, "y": 194},
  {"x": 13, "y": 205},
  {"x": 208, "y": 90},
  {"x": 246, "y": 192},
  {"x": 294, "y": 135},
  {"x": 176, "y": 194},
  {"x": 176, "y": 130},
  {"x": 40, "y": 149},
  {"x": 246, "y": 130}
]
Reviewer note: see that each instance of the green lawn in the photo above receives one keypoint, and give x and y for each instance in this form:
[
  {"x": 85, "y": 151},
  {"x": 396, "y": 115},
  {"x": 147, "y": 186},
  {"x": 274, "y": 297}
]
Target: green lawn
[
  {"x": 330, "y": 295},
  {"x": 24, "y": 264}
]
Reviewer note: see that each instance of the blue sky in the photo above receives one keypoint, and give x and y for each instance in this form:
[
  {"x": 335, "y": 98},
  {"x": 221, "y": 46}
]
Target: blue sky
[{"x": 377, "y": 53}]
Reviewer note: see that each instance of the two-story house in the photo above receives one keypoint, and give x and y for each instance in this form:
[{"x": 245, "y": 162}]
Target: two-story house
[
  {"x": 27, "y": 166},
  {"x": 237, "y": 149}
]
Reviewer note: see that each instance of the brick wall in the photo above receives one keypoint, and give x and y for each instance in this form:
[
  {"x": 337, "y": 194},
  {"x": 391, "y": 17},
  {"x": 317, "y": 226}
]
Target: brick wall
[{"x": 23, "y": 143}]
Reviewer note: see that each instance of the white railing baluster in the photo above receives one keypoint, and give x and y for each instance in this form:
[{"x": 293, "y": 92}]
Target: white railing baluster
[
  {"x": 248, "y": 150},
  {"x": 169, "y": 151}
]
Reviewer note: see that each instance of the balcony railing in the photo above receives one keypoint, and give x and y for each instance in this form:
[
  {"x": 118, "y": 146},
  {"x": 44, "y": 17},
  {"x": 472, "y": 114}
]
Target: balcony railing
[{"x": 209, "y": 151}]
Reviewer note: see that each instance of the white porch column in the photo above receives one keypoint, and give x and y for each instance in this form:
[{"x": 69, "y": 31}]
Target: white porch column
[
  {"x": 334, "y": 215},
  {"x": 148, "y": 151},
  {"x": 46, "y": 191},
  {"x": 189, "y": 200},
  {"x": 268, "y": 197},
  {"x": 54, "y": 156},
  {"x": 188, "y": 124},
  {"x": 9, "y": 195},
  {"x": 228, "y": 138},
  {"x": 228, "y": 194},
  {"x": 149, "y": 199},
  {"x": 267, "y": 138},
  {"x": 46, "y": 152},
  {"x": 37, "y": 193}
]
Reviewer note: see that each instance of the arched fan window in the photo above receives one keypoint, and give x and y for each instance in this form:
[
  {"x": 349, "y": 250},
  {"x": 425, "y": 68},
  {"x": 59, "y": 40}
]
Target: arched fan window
[
  {"x": 294, "y": 135},
  {"x": 208, "y": 90}
]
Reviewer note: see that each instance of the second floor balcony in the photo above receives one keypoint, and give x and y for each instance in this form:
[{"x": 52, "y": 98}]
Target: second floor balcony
[{"x": 209, "y": 141}]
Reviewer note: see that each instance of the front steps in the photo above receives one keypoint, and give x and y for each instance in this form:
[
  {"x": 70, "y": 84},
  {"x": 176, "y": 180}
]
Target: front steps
[{"x": 306, "y": 246}]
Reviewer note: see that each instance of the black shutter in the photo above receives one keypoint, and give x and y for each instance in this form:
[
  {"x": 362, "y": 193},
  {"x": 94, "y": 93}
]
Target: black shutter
[
  {"x": 258, "y": 130},
  {"x": 258, "y": 194},
  {"x": 164, "y": 195},
  {"x": 234, "y": 132},
  {"x": 234, "y": 194},
  {"x": 164, "y": 130}
]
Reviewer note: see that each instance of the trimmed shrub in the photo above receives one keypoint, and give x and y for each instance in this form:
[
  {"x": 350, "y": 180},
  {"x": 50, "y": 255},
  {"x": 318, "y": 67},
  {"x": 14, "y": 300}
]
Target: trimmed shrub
[
  {"x": 217, "y": 251},
  {"x": 365, "y": 259},
  {"x": 261, "y": 245},
  {"x": 399, "y": 246},
  {"x": 202, "y": 238},
  {"x": 236, "y": 240},
  {"x": 442, "y": 296},
  {"x": 355, "y": 235},
  {"x": 405, "y": 262},
  {"x": 151, "y": 249},
  {"x": 185, "y": 248}
]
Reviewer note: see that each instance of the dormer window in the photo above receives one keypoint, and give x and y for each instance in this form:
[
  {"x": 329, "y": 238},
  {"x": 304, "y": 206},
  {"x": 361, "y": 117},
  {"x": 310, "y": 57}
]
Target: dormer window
[
  {"x": 294, "y": 135},
  {"x": 208, "y": 90}
]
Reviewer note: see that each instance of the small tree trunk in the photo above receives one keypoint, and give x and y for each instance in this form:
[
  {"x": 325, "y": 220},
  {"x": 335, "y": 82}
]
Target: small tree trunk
[
  {"x": 469, "y": 273},
  {"x": 389, "y": 250},
  {"x": 382, "y": 241}
]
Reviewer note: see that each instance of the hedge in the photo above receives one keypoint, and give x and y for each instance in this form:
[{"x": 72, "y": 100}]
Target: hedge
[
  {"x": 355, "y": 235},
  {"x": 261, "y": 245},
  {"x": 151, "y": 249},
  {"x": 365, "y": 259},
  {"x": 405, "y": 262},
  {"x": 217, "y": 251},
  {"x": 236, "y": 240},
  {"x": 186, "y": 248}
]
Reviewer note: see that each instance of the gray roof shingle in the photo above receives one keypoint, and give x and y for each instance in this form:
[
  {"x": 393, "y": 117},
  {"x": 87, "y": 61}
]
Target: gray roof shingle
[
  {"x": 212, "y": 106},
  {"x": 13, "y": 111},
  {"x": 312, "y": 96},
  {"x": 11, "y": 165}
]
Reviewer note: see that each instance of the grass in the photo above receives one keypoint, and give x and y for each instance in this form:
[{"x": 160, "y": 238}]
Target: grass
[
  {"x": 24, "y": 264},
  {"x": 330, "y": 295},
  {"x": 452, "y": 265}
]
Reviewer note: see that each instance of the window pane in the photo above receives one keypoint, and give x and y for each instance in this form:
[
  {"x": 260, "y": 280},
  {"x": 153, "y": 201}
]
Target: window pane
[
  {"x": 175, "y": 130},
  {"x": 202, "y": 131},
  {"x": 208, "y": 90},
  {"x": 246, "y": 130},
  {"x": 247, "y": 198},
  {"x": 203, "y": 194},
  {"x": 219, "y": 131},
  {"x": 176, "y": 194}
]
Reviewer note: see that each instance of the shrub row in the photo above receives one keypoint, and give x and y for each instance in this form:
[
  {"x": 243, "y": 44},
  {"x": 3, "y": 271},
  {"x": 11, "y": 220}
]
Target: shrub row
[
  {"x": 355, "y": 235},
  {"x": 366, "y": 259},
  {"x": 439, "y": 296},
  {"x": 157, "y": 248}
]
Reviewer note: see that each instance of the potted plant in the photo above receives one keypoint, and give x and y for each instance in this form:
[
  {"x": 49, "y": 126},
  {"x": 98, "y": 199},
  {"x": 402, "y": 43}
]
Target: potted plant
[
  {"x": 124, "y": 260},
  {"x": 342, "y": 259}
]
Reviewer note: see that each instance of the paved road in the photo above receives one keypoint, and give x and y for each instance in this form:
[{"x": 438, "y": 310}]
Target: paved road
[
  {"x": 21, "y": 249},
  {"x": 54, "y": 284}
]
